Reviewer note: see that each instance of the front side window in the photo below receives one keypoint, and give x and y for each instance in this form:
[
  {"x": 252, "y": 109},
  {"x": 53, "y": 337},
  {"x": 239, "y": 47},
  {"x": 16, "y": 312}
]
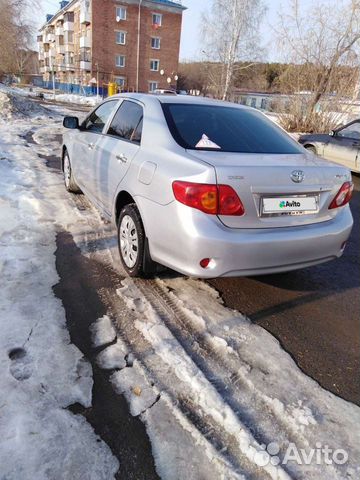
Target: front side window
[
  {"x": 155, "y": 43},
  {"x": 127, "y": 122},
  {"x": 120, "y": 13},
  {"x": 351, "y": 131},
  {"x": 120, "y": 61},
  {"x": 154, "y": 65},
  {"x": 121, "y": 38},
  {"x": 97, "y": 120},
  {"x": 230, "y": 129}
]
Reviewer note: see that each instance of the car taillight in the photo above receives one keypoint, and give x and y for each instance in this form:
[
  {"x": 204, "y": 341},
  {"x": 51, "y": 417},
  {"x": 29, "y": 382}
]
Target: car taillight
[
  {"x": 343, "y": 196},
  {"x": 211, "y": 199}
]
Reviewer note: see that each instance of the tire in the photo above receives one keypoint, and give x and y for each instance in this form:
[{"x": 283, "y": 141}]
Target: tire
[
  {"x": 132, "y": 242},
  {"x": 311, "y": 149},
  {"x": 69, "y": 181}
]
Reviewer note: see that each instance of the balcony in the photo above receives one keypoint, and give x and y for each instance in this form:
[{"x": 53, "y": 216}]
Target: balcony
[
  {"x": 41, "y": 55},
  {"x": 84, "y": 65},
  {"x": 85, "y": 16},
  {"x": 60, "y": 49},
  {"x": 59, "y": 31},
  {"x": 69, "y": 66},
  {"x": 49, "y": 38},
  {"x": 68, "y": 47},
  {"x": 39, "y": 38},
  {"x": 68, "y": 26},
  {"x": 85, "y": 42}
]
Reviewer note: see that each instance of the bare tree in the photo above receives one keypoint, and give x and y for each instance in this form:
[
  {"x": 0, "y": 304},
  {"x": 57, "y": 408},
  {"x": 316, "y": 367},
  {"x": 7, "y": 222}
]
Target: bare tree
[
  {"x": 230, "y": 34},
  {"x": 15, "y": 35},
  {"x": 321, "y": 45}
]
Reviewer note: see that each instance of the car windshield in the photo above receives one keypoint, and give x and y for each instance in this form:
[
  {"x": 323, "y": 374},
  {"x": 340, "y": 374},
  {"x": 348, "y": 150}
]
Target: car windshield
[{"x": 226, "y": 129}]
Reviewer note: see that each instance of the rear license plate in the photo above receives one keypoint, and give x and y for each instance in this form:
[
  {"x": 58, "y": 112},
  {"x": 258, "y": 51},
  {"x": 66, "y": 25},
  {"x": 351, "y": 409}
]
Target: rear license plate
[{"x": 289, "y": 205}]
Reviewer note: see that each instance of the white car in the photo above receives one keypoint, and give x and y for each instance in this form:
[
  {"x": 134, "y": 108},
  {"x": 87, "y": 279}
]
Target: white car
[{"x": 206, "y": 188}]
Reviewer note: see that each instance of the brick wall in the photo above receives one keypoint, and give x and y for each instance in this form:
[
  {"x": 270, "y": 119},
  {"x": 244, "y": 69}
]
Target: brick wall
[{"x": 104, "y": 47}]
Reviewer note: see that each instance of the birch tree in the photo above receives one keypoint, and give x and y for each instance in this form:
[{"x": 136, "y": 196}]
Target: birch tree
[
  {"x": 15, "y": 35},
  {"x": 230, "y": 34},
  {"x": 319, "y": 43}
]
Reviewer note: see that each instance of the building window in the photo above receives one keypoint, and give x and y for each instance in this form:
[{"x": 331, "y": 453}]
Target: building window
[
  {"x": 153, "y": 86},
  {"x": 154, "y": 65},
  {"x": 155, "y": 43},
  {"x": 120, "y": 13},
  {"x": 157, "y": 19},
  {"x": 121, "y": 38},
  {"x": 253, "y": 102},
  {"x": 120, "y": 61},
  {"x": 121, "y": 81}
]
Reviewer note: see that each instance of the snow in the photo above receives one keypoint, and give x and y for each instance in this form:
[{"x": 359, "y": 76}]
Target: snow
[
  {"x": 283, "y": 404},
  {"x": 113, "y": 357},
  {"x": 103, "y": 331},
  {"x": 70, "y": 98},
  {"x": 74, "y": 99},
  {"x": 218, "y": 395},
  {"x": 42, "y": 372}
]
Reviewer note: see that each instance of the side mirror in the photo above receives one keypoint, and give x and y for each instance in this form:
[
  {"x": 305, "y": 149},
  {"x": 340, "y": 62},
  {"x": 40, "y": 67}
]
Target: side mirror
[
  {"x": 71, "y": 122},
  {"x": 332, "y": 133}
]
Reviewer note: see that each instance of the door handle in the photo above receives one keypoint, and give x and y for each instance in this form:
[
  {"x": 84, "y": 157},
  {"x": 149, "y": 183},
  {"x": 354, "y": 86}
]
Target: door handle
[
  {"x": 91, "y": 146},
  {"x": 121, "y": 158}
]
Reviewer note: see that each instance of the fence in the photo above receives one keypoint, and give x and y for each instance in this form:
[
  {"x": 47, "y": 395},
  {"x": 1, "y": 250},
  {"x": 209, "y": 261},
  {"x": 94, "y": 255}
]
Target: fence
[{"x": 71, "y": 88}]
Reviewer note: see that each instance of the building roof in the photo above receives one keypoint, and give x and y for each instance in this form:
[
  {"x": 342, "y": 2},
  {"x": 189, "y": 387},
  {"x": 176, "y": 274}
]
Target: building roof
[{"x": 170, "y": 3}]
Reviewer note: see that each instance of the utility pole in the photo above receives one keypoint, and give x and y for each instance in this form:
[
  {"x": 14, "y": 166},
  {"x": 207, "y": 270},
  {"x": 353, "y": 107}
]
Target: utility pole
[
  {"x": 52, "y": 71},
  {"x": 138, "y": 47}
]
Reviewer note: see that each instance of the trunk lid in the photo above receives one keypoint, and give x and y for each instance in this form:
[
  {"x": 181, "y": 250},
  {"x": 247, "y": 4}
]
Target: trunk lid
[{"x": 261, "y": 180}]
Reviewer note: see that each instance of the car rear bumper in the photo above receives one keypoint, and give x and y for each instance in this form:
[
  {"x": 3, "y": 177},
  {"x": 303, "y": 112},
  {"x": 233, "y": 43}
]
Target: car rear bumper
[{"x": 179, "y": 237}]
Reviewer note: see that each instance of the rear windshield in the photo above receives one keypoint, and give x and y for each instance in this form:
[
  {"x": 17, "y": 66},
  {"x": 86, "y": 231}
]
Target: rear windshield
[{"x": 226, "y": 129}]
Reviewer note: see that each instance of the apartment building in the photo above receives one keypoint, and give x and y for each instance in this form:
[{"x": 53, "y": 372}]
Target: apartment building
[{"x": 134, "y": 43}]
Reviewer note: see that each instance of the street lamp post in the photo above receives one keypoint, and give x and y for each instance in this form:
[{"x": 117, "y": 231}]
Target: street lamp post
[{"x": 170, "y": 78}]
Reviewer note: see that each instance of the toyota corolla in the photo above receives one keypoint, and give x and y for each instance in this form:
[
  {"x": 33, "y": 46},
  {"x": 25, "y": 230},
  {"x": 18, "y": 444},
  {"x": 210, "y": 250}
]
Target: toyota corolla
[{"x": 206, "y": 188}]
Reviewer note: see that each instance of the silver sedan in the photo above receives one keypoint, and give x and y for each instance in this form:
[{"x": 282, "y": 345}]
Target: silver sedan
[{"x": 206, "y": 188}]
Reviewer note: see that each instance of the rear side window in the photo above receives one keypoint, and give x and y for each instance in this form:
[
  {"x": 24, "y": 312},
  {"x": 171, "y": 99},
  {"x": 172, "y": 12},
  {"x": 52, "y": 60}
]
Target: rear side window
[
  {"x": 97, "y": 120},
  {"x": 228, "y": 129},
  {"x": 127, "y": 122}
]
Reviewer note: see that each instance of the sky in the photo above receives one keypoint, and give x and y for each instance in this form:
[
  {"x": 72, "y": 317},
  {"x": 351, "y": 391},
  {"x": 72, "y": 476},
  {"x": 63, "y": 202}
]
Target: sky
[{"x": 190, "y": 41}]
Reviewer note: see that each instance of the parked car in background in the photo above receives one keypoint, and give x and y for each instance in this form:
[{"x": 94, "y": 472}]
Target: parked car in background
[
  {"x": 207, "y": 188},
  {"x": 160, "y": 91},
  {"x": 341, "y": 145}
]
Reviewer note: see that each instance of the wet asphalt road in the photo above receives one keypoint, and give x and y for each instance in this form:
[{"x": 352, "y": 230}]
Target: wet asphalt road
[{"x": 314, "y": 313}]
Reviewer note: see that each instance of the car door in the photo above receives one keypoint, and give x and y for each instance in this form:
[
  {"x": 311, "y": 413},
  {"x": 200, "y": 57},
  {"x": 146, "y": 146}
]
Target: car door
[
  {"x": 116, "y": 149},
  {"x": 343, "y": 146},
  {"x": 84, "y": 149}
]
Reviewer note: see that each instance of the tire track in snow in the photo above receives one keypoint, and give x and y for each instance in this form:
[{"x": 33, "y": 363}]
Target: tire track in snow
[{"x": 207, "y": 402}]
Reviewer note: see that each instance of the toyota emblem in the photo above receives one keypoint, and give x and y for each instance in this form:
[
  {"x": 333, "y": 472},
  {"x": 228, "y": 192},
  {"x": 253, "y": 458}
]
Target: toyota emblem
[{"x": 297, "y": 176}]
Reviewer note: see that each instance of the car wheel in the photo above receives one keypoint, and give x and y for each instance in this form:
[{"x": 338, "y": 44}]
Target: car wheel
[
  {"x": 70, "y": 184},
  {"x": 133, "y": 249},
  {"x": 311, "y": 149}
]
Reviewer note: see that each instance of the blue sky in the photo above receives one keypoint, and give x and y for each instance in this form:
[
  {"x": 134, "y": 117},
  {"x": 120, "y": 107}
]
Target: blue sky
[{"x": 190, "y": 41}]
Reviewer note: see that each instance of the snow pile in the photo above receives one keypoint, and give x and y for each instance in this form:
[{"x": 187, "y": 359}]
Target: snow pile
[
  {"x": 14, "y": 105},
  {"x": 42, "y": 373},
  {"x": 74, "y": 99}
]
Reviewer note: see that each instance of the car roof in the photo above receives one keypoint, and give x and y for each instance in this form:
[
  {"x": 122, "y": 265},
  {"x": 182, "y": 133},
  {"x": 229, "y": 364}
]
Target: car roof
[{"x": 149, "y": 98}]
